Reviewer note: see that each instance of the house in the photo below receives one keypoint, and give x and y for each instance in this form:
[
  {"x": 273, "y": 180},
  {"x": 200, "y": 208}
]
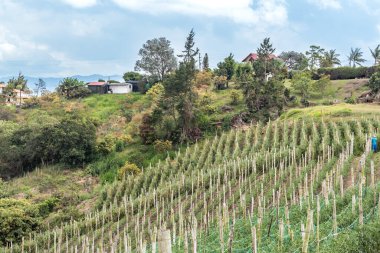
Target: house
[
  {"x": 254, "y": 57},
  {"x": 115, "y": 88},
  {"x": 2, "y": 87},
  {"x": 97, "y": 87},
  {"x": 18, "y": 97},
  {"x": 119, "y": 88}
]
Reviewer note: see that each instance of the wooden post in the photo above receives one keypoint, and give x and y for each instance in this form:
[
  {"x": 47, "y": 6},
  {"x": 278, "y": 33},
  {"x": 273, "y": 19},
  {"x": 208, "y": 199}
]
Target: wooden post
[
  {"x": 254, "y": 240},
  {"x": 164, "y": 242},
  {"x": 335, "y": 224},
  {"x": 361, "y": 219},
  {"x": 309, "y": 225}
]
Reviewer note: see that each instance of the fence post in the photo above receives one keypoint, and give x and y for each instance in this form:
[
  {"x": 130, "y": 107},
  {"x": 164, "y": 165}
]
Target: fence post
[{"x": 164, "y": 242}]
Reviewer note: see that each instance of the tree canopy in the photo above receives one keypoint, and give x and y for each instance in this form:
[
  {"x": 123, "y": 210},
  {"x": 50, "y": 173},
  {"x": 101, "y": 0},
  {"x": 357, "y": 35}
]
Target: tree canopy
[{"x": 157, "y": 58}]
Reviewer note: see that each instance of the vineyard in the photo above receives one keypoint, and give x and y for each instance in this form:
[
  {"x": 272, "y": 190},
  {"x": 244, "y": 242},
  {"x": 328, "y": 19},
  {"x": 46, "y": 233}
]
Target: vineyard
[{"x": 285, "y": 186}]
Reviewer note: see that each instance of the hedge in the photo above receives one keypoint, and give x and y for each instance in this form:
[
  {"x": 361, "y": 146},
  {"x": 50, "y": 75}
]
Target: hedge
[{"x": 346, "y": 72}]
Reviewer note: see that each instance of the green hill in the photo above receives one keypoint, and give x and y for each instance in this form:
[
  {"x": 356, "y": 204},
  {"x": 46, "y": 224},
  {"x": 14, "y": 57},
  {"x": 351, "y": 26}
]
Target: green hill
[{"x": 267, "y": 177}]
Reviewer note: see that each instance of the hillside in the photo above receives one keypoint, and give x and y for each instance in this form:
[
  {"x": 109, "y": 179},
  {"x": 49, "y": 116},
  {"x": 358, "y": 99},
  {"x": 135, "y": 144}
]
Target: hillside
[{"x": 271, "y": 178}]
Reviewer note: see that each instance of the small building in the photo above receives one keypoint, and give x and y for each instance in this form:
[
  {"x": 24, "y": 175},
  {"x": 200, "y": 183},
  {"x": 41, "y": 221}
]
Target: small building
[
  {"x": 119, "y": 88},
  {"x": 252, "y": 57},
  {"x": 18, "y": 98},
  {"x": 2, "y": 87},
  {"x": 98, "y": 87}
]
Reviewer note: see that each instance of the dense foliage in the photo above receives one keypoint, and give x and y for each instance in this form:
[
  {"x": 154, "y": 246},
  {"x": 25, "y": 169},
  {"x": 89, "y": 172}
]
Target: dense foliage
[
  {"x": 341, "y": 73},
  {"x": 71, "y": 141}
]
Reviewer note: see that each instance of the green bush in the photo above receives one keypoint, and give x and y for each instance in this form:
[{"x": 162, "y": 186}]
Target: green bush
[
  {"x": 341, "y": 73},
  {"x": 374, "y": 82},
  {"x": 163, "y": 146},
  {"x": 18, "y": 218},
  {"x": 128, "y": 169},
  {"x": 235, "y": 97}
]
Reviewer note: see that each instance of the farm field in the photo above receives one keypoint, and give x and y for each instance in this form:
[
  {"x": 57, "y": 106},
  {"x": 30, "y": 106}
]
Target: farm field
[{"x": 296, "y": 183}]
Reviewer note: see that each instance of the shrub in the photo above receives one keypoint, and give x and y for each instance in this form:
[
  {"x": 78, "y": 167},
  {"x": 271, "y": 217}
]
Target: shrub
[
  {"x": 374, "y": 82},
  {"x": 220, "y": 82},
  {"x": 18, "y": 218},
  {"x": 234, "y": 97},
  {"x": 346, "y": 72},
  {"x": 350, "y": 100},
  {"x": 128, "y": 169},
  {"x": 106, "y": 146},
  {"x": 209, "y": 109},
  {"x": 163, "y": 146},
  {"x": 203, "y": 78}
]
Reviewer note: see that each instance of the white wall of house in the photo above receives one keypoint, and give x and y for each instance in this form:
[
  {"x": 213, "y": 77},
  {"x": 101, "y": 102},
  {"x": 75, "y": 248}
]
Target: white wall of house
[{"x": 121, "y": 88}]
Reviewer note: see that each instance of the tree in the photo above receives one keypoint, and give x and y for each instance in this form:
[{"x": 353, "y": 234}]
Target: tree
[
  {"x": 132, "y": 76},
  {"x": 264, "y": 52},
  {"x": 72, "y": 88},
  {"x": 157, "y": 58},
  {"x": 264, "y": 98},
  {"x": 302, "y": 84},
  {"x": 376, "y": 54},
  {"x": 40, "y": 87},
  {"x": 315, "y": 54},
  {"x": 179, "y": 98},
  {"x": 206, "y": 65},
  {"x": 227, "y": 67},
  {"x": 19, "y": 83},
  {"x": 321, "y": 85},
  {"x": 190, "y": 52},
  {"x": 330, "y": 59},
  {"x": 356, "y": 57},
  {"x": 294, "y": 60}
]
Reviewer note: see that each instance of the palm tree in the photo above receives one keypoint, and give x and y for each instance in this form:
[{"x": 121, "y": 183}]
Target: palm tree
[
  {"x": 356, "y": 57},
  {"x": 329, "y": 59},
  {"x": 376, "y": 54}
]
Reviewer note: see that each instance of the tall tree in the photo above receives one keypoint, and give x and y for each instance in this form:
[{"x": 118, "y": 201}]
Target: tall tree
[
  {"x": 356, "y": 57},
  {"x": 264, "y": 52},
  {"x": 227, "y": 67},
  {"x": 330, "y": 59},
  {"x": 40, "y": 87},
  {"x": 264, "y": 98},
  {"x": 315, "y": 54},
  {"x": 188, "y": 55},
  {"x": 294, "y": 60},
  {"x": 157, "y": 58},
  {"x": 206, "y": 65},
  {"x": 376, "y": 54}
]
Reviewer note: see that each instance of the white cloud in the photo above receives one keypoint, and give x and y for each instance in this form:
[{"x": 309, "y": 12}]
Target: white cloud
[
  {"x": 327, "y": 4},
  {"x": 80, "y": 3},
  {"x": 248, "y": 12}
]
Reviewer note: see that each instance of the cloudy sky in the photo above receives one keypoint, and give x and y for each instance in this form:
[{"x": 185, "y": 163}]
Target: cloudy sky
[{"x": 68, "y": 37}]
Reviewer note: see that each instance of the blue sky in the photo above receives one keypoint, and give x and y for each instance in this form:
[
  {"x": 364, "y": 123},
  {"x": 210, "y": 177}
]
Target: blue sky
[{"x": 68, "y": 37}]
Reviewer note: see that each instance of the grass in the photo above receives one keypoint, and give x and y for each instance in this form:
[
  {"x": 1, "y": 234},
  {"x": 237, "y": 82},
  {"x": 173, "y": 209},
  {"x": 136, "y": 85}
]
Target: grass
[{"x": 333, "y": 111}]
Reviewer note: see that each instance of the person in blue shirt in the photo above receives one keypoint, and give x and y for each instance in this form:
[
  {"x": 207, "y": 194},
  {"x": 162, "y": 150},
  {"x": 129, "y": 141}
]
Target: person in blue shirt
[{"x": 374, "y": 144}]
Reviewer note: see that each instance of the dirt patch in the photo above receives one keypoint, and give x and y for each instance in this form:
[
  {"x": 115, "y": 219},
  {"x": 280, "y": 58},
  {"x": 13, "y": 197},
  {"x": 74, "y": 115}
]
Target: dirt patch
[{"x": 353, "y": 85}]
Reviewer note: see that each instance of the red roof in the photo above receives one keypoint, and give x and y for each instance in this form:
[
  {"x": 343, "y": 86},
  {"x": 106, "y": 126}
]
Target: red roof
[
  {"x": 254, "y": 57},
  {"x": 96, "y": 83}
]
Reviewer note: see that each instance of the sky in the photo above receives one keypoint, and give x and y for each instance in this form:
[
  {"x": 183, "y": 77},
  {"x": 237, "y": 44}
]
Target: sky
[{"x": 81, "y": 37}]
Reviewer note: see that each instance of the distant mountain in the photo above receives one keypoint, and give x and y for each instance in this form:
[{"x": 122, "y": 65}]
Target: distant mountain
[{"x": 52, "y": 82}]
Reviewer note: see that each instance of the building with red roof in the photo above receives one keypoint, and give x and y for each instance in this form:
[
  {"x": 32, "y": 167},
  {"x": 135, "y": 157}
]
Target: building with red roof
[{"x": 254, "y": 57}]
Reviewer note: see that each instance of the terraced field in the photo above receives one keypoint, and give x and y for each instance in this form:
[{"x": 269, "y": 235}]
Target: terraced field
[{"x": 286, "y": 186}]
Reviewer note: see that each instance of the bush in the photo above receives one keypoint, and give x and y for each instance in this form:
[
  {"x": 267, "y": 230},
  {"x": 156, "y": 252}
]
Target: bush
[
  {"x": 128, "y": 169},
  {"x": 374, "y": 82},
  {"x": 234, "y": 97},
  {"x": 346, "y": 72},
  {"x": 18, "y": 218},
  {"x": 104, "y": 147},
  {"x": 163, "y": 146},
  {"x": 350, "y": 100},
  {"x": 203, "y": 78}
]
